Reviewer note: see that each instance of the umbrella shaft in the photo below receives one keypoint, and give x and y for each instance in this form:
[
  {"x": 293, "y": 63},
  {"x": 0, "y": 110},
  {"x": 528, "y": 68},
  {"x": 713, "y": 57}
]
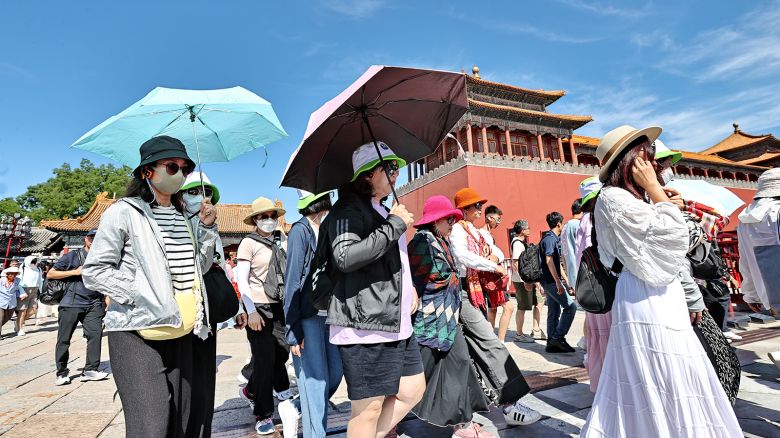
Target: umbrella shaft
[{"x": 381, "y": 159}]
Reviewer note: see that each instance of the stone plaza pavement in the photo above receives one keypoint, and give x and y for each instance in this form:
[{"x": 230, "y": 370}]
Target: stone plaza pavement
[{"x": 31, "y": 406}]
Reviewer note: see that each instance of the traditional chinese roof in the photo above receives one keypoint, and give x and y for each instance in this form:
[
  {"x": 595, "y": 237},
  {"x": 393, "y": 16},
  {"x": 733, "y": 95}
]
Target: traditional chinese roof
[
  {"x": 714, "y": 159},
  {"x": 572, "y": 120},
  {"x": 761, "y": 159},
  {"x": 40, "y": 241},
  {"x": 739, "y": 140},
  {"x": 230, "y": 218},
  {"x": 548, "y": 96},
  {"x": 84, "y": 223},
  {"x": 584, "y": 140}
]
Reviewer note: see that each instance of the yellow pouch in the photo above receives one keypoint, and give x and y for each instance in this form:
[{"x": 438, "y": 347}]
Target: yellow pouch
[
  {"x": 186, "y": 302},
  {"x": 187, "y": 310}
]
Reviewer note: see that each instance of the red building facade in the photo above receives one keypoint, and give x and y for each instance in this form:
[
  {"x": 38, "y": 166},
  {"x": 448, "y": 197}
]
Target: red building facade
[{"x": 529, "y": 162}]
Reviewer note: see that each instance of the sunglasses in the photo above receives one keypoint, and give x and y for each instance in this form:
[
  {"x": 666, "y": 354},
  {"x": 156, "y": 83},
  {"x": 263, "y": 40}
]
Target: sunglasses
[
  {"x": 195, "y": 191},
  {"x": 264, "y": 216},
  {"x": 497, "y": 219},
  {"x": 391, "y": 167},
  {"x": 173, "y": 168},
  {"x": 451, "y": 220},
  {"x": 478, "y": 206}
]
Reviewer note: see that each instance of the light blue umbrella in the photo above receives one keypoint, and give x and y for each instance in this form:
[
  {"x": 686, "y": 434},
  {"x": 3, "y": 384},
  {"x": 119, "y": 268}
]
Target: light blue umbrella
[{"x": 214, "y": 125}]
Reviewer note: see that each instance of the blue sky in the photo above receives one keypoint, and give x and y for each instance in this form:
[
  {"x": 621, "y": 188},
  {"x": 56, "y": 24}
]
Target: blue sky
[{"x": 693, "y": 67}]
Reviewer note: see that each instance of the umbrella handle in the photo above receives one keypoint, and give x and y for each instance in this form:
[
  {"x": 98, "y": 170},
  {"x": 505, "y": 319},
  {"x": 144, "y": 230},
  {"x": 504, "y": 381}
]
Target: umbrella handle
[{"x": 381, "y": 159}]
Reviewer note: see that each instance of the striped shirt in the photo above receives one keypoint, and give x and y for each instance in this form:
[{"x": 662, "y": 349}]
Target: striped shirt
[{"x": 178, "y": 247}]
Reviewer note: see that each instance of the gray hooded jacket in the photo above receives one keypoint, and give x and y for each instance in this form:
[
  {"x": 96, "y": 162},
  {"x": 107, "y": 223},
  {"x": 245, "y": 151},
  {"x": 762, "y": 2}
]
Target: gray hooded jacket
[{"x": 128, "y": 263}]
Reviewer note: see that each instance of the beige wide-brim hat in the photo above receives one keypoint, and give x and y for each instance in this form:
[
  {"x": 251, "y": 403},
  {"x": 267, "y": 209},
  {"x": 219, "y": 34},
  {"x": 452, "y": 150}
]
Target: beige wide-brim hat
[
  {"x": 616, "y": 140},
  {"x": 262, "y": 205}
]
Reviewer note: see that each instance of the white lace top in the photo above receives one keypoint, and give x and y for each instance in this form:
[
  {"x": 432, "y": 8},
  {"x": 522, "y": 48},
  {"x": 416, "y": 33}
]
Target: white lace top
[{"x": 651, "y": 240}]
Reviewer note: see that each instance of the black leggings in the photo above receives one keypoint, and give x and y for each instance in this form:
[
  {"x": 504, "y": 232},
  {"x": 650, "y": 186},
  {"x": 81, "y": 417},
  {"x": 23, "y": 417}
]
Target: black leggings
[
  {"x": 270, "y": 352},
  {"x": 153, "y": 379}
]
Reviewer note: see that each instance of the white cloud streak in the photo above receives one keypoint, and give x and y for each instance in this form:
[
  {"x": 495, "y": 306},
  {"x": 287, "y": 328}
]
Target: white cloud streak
[
  {"x": 355, "y": 8},
  {"x": 749, "y": 48},
  {"x": 608, "y": 9}
]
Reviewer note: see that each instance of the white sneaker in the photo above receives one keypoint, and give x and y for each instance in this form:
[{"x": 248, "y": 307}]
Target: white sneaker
[
  {"x": 290, "y": 415},
  {"x": 519, "y": 414},
  {"x": 731, "y": 336},
  {"x": 775, "y": 358},
  {"x": 62, "y": 380},
  {"x": 21, "y": 333},
  {"x": 89, "y": 376}
]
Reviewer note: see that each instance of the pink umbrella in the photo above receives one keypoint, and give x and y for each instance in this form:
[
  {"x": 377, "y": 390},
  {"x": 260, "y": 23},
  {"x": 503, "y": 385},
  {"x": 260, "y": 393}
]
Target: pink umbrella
[{"x": 411, "y": 110}]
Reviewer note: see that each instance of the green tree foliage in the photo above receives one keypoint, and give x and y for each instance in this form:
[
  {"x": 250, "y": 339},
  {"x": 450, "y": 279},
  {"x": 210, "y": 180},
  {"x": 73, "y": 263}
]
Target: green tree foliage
[
  {"x": 9, "y": 206},
  {"x": 71, "y": 192}
]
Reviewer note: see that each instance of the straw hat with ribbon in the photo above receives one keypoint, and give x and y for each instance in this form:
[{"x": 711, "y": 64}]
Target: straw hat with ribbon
[
  {"x": 613, "y": 143},
  {"x": 262, "y": 205}
]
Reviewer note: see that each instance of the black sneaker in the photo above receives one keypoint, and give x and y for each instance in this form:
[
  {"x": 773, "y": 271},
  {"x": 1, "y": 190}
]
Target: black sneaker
[
  {"x": 554, "y": 346},
  {"x": 566, "y": 347}
]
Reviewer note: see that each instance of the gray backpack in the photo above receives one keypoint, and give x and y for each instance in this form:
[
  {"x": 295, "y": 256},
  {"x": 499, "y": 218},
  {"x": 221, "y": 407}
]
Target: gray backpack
[{"x": 274, "y": 281}]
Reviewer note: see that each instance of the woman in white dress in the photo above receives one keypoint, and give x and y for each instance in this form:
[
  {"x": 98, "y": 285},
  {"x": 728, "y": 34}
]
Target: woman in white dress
[{"x": 656, "y": 379}]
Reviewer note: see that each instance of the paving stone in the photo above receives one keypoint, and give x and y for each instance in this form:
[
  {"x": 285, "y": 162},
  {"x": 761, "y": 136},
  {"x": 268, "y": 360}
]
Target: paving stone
[{"x": 62, "y": 425}]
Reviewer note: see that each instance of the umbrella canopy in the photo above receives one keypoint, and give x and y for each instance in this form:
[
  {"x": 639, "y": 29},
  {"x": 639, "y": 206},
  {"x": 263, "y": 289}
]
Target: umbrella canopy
[
  {"x": 411, "y": 110},
  {"x": 720, "y": 198},
  {"x": 214, "y": 125}
]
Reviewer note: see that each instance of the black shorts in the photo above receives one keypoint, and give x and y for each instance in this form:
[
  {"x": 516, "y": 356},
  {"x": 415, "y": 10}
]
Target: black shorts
[{"x": 374, "y": 370}]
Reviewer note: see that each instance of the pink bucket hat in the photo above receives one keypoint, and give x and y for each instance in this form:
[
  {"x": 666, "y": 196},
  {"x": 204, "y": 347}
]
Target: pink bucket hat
[{"x": 438, "y": 207}]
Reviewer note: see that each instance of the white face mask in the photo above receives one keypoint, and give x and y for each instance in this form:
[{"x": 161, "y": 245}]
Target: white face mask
[
  {"x": 192, "y": 203},
  {"x": 667, "y": 175},
  {"x": 267, "y": 225}
]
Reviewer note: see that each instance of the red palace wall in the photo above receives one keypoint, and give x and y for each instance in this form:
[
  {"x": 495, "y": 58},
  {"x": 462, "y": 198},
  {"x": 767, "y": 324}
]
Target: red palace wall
[{"x": 520, "y": 194}]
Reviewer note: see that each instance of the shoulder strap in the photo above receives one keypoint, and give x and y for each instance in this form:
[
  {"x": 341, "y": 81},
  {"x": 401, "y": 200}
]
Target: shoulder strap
[{"x": 617, "y": 266}]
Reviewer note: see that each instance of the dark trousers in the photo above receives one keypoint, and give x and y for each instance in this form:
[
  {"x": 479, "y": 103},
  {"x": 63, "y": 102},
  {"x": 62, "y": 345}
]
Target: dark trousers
[
  {"x": 270, "y": 351},
  {"x": 154, "y": 381},
  {"x": 91, "y": 319},
  {"x": 495, "y": 365},
  {"x": 204, "y": 378}
]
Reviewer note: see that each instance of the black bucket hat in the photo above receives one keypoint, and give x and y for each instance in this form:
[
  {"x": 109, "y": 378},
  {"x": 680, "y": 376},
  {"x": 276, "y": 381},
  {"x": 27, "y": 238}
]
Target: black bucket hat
[{"x": 159, "y": 148}]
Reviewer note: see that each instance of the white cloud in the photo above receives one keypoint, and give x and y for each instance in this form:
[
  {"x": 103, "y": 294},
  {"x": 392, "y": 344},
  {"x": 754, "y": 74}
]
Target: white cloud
[
  {"x": 609, "y": 10},
  {"x": 355, "y": 8},
  {"x": 689, "y": 124},
  {"x": 515, "y": 28},
  {"x": 748, "y": 48}
]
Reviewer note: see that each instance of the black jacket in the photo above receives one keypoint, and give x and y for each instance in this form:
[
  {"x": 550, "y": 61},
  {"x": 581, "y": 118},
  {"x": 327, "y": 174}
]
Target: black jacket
[{"x": 367, "y": 279}]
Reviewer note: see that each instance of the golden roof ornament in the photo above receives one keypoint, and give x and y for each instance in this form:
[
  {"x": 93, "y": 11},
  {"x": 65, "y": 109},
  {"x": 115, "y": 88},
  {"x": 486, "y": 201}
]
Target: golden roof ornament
[{"x": 475, "y": 70}]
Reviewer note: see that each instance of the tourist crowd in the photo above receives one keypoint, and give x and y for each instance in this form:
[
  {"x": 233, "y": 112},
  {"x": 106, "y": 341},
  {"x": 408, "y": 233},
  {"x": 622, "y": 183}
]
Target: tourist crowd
[{"x": 405, "y": 310}]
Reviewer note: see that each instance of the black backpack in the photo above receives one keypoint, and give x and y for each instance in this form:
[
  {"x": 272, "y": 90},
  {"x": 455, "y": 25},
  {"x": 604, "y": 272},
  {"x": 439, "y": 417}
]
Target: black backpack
[
  {"x": 530, "y": 263},
  {"x": 53, "y": 291},
  {"x": 273, "y": 285}
]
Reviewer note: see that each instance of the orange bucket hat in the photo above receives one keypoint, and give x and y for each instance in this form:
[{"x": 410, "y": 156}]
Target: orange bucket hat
[{"x": 466, "y": 197}]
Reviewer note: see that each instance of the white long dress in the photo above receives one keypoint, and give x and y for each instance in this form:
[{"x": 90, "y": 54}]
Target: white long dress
[{"x": 656, "y": 380}]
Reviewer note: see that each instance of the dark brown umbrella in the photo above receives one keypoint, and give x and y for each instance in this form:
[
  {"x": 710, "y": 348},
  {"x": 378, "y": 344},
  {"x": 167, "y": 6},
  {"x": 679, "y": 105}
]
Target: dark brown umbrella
[{"x": 412, "y": 110}]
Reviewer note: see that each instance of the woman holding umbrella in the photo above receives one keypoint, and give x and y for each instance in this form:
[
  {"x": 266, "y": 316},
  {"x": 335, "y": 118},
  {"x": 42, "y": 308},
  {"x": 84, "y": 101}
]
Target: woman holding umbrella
[
  {"x": 373, "y": 296},
  {"x": 148, "y": 260}
]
